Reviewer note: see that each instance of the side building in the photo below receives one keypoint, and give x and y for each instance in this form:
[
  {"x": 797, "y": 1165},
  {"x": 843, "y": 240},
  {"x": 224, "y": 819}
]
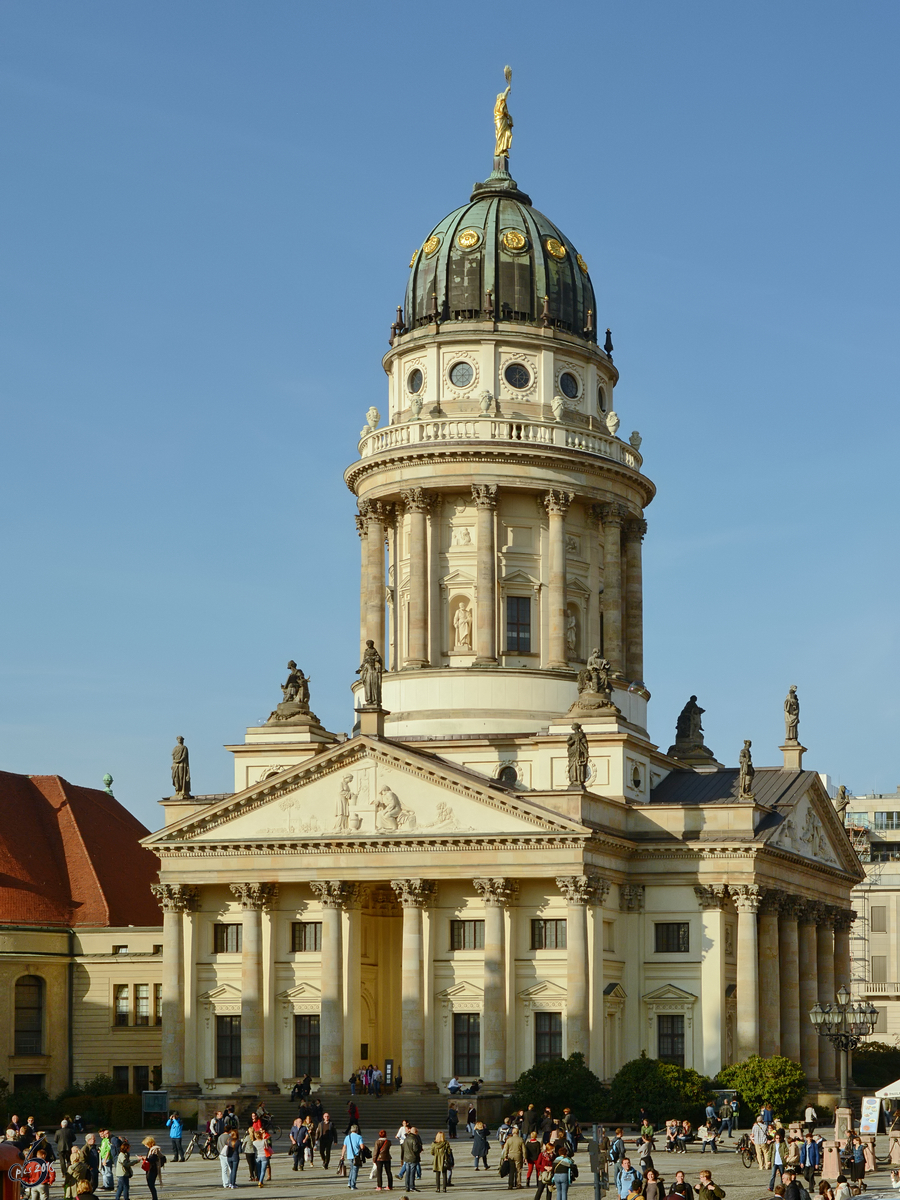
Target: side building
[{"x": 80, "y": 939}]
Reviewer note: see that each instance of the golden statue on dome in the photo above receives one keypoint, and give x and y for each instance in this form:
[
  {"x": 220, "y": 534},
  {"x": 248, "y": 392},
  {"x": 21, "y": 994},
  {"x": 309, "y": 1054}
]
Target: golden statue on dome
[{"x": 503, "y": 122}]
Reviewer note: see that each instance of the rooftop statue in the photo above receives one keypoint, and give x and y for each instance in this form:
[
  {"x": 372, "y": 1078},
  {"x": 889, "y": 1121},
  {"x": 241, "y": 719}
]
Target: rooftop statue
[
  {"x": 503, "y": 122},
  {"x": 689, "y": 743},
  {"x": 369, "y": 672},
  {"x": 791, "y": 715},
  {"x": 181, "y": 770},
  {"x": 747, "y": 771},
  {"x": 294, "y": 707},
  {"x": 579, "y": 756}
]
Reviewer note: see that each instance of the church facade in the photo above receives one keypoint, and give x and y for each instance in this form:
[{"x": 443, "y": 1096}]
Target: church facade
[{"x": 498, "y": 867}]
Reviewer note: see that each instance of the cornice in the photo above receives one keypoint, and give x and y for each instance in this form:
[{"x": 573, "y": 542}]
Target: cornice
[{"x": 539, "y": 840}]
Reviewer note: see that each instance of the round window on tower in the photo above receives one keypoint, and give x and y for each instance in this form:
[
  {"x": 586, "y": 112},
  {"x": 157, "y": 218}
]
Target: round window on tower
[
  {"x": 461, "y": 374},
  {"x": 568, "y": 385},
  {"x": 517, "y": 376},
  {"x": 415, "y": 380},
  {"x": 508, "y": 775},
  {"x": 601, "y": 399}
]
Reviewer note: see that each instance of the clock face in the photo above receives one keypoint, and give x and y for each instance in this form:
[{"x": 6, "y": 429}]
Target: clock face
[
  {"x": 415, "y": 381},
  {"x": 461, "y": 374},
  {"x": 568, "y": 385},
  {"x": 517, "y": 376}
]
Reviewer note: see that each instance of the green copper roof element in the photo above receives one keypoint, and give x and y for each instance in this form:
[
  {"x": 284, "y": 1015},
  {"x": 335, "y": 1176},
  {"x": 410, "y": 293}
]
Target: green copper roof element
[{"x": 499, "y": 244}]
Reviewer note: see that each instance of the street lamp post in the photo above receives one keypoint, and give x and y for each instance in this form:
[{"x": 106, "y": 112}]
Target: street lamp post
[{"x": 845, "y": 1025}]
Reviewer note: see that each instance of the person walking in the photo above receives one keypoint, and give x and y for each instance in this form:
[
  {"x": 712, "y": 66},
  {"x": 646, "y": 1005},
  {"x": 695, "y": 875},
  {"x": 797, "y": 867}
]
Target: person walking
[
  {"x": 810, "y": 1159},
  {"x": 533, "y": 1149},
  {"x": 514, "y": 1154},
  {"x": 471, "y": 1118},
  {"x": 411, "y": 1157},
  {"x": 124, "y": 1170},
  {"x": 382, "y": 1158},
  {"x": 626, "y": 1178},
  {"x": 65, "y": 1140},
  {"x": 617, "y": 1154},
  {"x": 706, "y": 1189},
  {"x": 543, "y": 1172},
  {"x": 264, "y": 1157},
  {"x": 154, "y": 1160},
  {"x": 811, "y": 1118},
  {"x": 563, "y": 1172},
  {"x": 440, "y": 1160},
  {"x": 452, "y": 1121},
  {"x": 326, "y": 1136},
  {"x": 351, "y": 1154},
  {"x": 759, "y": 1136},
  {"x": 480, "y": 1144},
  {"x": 175, "y": 1127},
  {"x": 224, "y": 1163},
  {"x": 248, "y": 1147},
  {"x": 299, "y": 1138},
  {"x": 778, "y": 1159},
  {"x": 858, "y": 1161}
]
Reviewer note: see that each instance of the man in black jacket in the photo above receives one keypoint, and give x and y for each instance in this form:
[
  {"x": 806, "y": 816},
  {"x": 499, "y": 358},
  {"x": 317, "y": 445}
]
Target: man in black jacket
[
  {"x": 65, "y": 1140},
  {"x": 529, "y": 1121},
  {"x": 326, "y": 1136}
]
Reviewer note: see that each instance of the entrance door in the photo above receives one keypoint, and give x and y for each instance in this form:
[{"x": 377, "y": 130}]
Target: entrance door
[{"x": 306, "y": 1044}]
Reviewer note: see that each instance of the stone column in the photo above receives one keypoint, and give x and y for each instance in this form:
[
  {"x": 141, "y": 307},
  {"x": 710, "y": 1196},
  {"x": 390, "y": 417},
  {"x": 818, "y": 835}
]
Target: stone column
[
  {"x": 613, "y": 519},
  {"x": 595, "y": 576},
  {"x": 825, "y": 973},
  {"x": 789, "y": 977},
  {"x": 809, "y": 993},
  {"x": 557, "y": 505},
  {"x": 413, "y": 895},
  {"x": 361, "y": 528},
  {"x": 485, "y": 497},
  {"x": 375, "y": 514},
  {"x": 579, "y": 891},
  {"x": 334, "y": 896},
  {"x": 496, "y": 894},
  {"x": 712, "y": 898},
  {"x": 769, "y": 993},
  {"x": 746, "y": 900},
  {"x": 634, "y": 599},
  {"x": 843, "y": 919},
  {"x": 174, "y": 899},
  {"x": 253, "y": 897},
  {"x": 416, "y": 502}
]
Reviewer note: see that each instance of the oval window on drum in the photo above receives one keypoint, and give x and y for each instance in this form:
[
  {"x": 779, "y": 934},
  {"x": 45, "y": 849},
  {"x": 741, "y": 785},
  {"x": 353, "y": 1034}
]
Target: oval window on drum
[
  {"x": 517, "y": 376},
  {"x": 568, "y": 385},
  {"x": 461, "y": 374},
  {"x": 601, "y": 399},
  {"x": 415, "y": 381}
]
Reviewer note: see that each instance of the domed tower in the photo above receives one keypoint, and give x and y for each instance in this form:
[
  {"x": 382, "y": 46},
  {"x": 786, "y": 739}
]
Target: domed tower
[{"x": 511, "y": 513}]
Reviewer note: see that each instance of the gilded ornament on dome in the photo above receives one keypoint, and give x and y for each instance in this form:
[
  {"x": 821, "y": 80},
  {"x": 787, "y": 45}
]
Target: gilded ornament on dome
[
  {"x": 468, "y": 239},
  {"x": 582, "y": 264},
  {"x": 431, "y": 245},
  {"x": 514, "y": 240},
  {"x": 412, "y": 261},
  {"x": 556, "y": 248}
]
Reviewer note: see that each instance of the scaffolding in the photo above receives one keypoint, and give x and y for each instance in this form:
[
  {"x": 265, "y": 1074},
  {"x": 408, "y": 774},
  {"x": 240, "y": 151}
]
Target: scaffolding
[{"x": 859, "y": 826}]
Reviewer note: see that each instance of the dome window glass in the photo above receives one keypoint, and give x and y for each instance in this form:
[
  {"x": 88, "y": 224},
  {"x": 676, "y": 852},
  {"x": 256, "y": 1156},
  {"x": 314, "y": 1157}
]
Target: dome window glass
[
  {"x": 601, "y": 399},
  {"x": 461, "y": 374},
  {"x": 517, "y": 376},
  {"x": 508, "y": 775},
  {"x": 568, "y": 385},
  {"x": 415, "y": 381}
]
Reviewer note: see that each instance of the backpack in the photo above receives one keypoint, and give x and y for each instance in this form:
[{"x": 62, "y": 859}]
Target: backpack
[
  {"x": 616, "y": 1150},
  {"x": 573, "y": 1172}
]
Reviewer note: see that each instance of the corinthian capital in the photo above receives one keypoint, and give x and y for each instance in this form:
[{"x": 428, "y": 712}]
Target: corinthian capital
[
  {"x": 255, "y": 896},
  {"x": 557, "y": 501},
  {"x": 711, "y": 895},
  {"x": 175, "y": 897},
  {"x": 416, "y": 499},
  {"x": 746, "y": 896},
  {"x": 844, "y": 918},
  {"x": 631, "y": 897},
  {"x": 583, "y": 889},
  {"x": 635, "y": 529},
  {"x": 613, "y": 514},
  {"x": 413, "y": 893},
  {"x": 360, "y": 524},
  {"x": 496, "y": 891},
  {"x": 334, "y": 893},
  {"x": 484, "y": 495},
  {"x": 790, "y": 907}
]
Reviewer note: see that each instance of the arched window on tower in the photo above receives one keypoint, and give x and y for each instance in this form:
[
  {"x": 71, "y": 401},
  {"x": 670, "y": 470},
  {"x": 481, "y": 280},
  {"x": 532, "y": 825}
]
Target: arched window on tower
[{"x": 29, "y": 1019}]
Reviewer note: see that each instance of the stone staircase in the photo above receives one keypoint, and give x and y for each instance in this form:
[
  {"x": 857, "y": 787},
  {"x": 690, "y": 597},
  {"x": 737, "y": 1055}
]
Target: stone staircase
[{"x": 427, "y": 1111}]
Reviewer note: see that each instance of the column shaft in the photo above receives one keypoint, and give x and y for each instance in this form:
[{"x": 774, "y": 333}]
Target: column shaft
[
  {"x": 769, "y": 993},
  {"x": 825, "y": 972},
  {"x": 173, "y": 985},
  {"x": 746, "y": 898},
  {"x": 789, "y": 979},
  {"x": 411, "y": 997},
  {"x": 331, "y": 1023},
  {"x": 495, "y": 893},
  {"x": 577, "y": 1038},
  {"x": 416, "y": 503},
  {"x": 363, "y": 583},
  {"x": 557, "y": 504},
  {"x": 485, "y": 497},
  {"x": 375, "y": 574},
  {"x": 251, "y": 1000},
  {"x": 612, "y": 587},
  {"x": 634, "y": 600},
  {"x": 842, "y": 953},
  {"x": 809, "y": 994}
]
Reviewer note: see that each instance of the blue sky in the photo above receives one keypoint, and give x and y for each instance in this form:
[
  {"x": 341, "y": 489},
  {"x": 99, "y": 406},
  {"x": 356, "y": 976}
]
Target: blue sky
[{"x": 209, "y": 209}]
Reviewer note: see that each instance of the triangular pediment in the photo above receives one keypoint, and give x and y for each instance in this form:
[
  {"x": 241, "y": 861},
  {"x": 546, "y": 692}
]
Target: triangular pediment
[
  {"x": 615, "y": 991},
  {"x": 372, "y": 789},
  {"x": 808, "y": 826},
  {"x": 523, "y": 577},
  {"x": 457, "y": 579},
  {"x": 461, "y": 991},
  {"x": 223, "y": 993},
  {"x": 669, "y": 991},
  {"x": 544, "y": 989},
  {"x": 303, "y": 991}
]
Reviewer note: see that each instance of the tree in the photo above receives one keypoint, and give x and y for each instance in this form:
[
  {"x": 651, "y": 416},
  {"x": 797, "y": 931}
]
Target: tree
[
  {"x": 780, "y": 1081},
  {"x": 876, "y": 1064},
  {"x": 664, "y": 1089},
  {"x": 558, "y": 1084}
]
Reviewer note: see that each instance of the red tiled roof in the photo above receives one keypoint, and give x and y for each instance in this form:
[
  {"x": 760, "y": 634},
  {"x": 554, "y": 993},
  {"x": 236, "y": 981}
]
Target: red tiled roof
[{"x": 71, "y": 856}]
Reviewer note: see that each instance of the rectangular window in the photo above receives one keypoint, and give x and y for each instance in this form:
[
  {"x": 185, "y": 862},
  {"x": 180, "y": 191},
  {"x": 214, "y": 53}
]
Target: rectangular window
[
  {"x": 878, "y": 918},
  {"x": 157, "y": 1004},
  {"x": 122, "y": 1005},
  {"x": 609, "y": 936},
  {"x": 887, "y": 820},
  {"x": 228, "y": 1047},
  {"x": 157, "y": 949},
  {"x": 306, "y": 936},
  {"x": 29, "y": 1014},
  {"x": 881, "y": 1021},
  {"x": 548, "y": 935},
  {"x": 120, "y": 950},
  {"x": 120, "y": 1078},
  {"x": 673, "y": 937},
  {"x": 227, "y": 939},
  {"x": 467, "y": 1044},
  {"x": 547, "y": 1036},
  {"x": 141, "y": 1078},
  {"x": 467, "y": 935},
  {"x": 306, "y": 1044},
  {"x": 879, "y": 968},
  {"x": 670, "y": 1039},
  {"x": 141, "y": 1004},
  {"x": 518, "y": 624}
]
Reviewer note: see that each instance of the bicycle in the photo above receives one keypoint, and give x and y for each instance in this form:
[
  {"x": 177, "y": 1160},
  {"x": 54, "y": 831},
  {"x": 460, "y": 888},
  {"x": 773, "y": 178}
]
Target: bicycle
[{"x": 745, "y": 1149}]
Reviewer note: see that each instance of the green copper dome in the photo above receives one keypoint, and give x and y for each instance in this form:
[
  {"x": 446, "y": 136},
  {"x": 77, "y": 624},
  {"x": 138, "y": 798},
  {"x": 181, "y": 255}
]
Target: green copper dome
[{"x": 498, "y": 258}]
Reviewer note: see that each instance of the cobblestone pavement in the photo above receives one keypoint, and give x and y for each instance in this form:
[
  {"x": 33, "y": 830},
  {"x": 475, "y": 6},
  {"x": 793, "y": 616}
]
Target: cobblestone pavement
[{"x": 203, "y": 1179}]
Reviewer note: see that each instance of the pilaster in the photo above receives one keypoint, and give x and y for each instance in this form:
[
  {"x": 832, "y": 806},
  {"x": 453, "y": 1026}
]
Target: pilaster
[{"x": 712, "y": 898}]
